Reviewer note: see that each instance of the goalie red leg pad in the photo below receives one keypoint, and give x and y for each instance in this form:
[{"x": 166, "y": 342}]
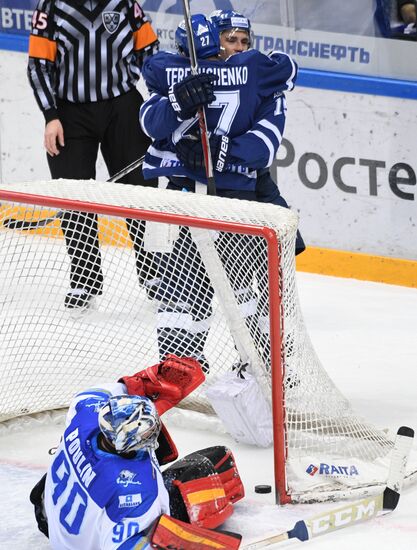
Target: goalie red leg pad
[
  {"x": 174, "y": 534},
  {"x": 167, "y": 450},
  {"x": 166, "y": 383},
  {"x": 225, "y": 465}
]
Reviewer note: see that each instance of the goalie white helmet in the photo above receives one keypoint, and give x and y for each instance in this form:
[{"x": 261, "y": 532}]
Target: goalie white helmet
[{"x": 130, "y": 422}]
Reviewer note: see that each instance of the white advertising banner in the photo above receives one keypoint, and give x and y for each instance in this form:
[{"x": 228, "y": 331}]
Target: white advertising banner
[
  {"x": 316, "y": 49},
  {"x": 347, "y": 164},
  {"x": 332, "y": 35}
]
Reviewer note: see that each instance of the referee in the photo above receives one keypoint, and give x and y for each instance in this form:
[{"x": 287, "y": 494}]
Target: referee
[{"x": 85, "y": 58}]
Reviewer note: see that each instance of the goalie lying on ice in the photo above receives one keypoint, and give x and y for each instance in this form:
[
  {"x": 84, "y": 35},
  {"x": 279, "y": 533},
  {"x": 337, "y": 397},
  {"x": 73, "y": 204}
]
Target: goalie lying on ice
[{"x": 105, "y": 489}]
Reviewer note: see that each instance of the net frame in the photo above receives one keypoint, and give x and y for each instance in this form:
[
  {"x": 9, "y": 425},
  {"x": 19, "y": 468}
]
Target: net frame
[
  {"x": 274, "y": 290},
  {"x": 285, "y": 417}
]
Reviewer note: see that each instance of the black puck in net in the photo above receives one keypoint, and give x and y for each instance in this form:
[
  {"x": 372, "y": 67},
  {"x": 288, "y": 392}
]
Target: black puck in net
[{"x": 263, "y": 489}]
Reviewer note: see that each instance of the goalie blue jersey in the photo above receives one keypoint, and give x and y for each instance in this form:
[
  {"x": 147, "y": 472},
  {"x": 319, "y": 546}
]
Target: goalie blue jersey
[
  {"x": 249, "y": 108},
  {"x": 95, "y": 500}
]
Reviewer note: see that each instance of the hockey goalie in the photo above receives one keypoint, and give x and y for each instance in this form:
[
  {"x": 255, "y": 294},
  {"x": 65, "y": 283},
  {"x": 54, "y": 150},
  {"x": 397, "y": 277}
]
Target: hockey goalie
[{"x": 105, "y": 489}]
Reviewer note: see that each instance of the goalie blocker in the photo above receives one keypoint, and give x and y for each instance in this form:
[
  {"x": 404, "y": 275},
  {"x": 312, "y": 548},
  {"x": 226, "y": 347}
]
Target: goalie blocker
[{"x": 166, "y": 383}]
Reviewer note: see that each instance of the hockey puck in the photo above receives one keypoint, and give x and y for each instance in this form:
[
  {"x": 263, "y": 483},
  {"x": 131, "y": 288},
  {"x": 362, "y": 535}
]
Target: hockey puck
[{"x": 263, "y": 489}]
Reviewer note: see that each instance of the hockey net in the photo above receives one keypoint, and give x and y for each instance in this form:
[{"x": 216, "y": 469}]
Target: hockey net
[{"x": 220, "y": 270}]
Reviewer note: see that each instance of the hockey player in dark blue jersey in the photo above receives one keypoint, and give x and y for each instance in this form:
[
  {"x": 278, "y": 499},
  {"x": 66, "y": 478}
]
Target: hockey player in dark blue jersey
[
  {"x": 105, "y": 490},
  {"x": 235, "y": 92},
  {"x": 235, "y": 37},
  {"x": 245, "y": 110}
]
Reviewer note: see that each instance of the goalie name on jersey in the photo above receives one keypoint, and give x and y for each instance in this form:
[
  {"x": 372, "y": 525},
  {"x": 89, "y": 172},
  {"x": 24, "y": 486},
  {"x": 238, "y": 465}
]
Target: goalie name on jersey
[{"x": 78, "y": 459}]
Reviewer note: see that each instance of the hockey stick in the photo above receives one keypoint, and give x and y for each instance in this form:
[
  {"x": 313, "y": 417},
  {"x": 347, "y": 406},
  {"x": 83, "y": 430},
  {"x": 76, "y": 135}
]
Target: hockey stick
[
  {"x": 209, "y": 255},
  {"x": 204, "y": 242},
  {"x": 356, "y": 512},
  {"x": 14, "y": 223},
  {"x": 211, "y": 184}
]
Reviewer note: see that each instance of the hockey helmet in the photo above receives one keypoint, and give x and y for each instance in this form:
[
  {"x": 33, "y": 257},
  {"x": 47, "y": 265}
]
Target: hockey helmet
[
  {"x": 130, "y": 422},
  {"x": 225, "y": 20},
  {"x": 206, "y": 37}
]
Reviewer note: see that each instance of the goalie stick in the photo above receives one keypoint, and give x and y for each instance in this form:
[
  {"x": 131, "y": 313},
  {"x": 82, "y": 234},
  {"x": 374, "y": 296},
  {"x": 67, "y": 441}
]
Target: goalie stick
[
  {"x": 355, "y": 512},
  {"x": 14, "y": 223}
]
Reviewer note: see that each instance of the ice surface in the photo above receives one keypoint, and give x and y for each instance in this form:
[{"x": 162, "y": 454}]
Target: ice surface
[{"x": 365, "y": 336}]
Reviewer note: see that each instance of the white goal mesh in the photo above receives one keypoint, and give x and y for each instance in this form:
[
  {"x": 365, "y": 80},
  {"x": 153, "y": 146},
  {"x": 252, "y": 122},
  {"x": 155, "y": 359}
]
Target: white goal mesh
[{"x": 165, "y": 297}]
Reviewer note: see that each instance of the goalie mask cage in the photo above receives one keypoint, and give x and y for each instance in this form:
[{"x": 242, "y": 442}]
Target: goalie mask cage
[{"x": 217, "y": 281}]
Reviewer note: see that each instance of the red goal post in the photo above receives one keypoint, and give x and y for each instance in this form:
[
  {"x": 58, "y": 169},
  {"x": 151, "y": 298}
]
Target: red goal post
[{"x": 60, "y": 351}]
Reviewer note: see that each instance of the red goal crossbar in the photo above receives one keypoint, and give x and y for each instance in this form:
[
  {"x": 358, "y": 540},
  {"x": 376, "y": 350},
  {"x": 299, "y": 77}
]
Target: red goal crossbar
[{"x": 274, "y": 284}]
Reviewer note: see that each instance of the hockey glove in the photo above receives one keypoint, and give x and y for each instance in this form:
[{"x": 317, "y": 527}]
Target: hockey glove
[
  {"x": 36, "y": 498},
  {"x": 191, "y": 93},
  {"x": 167, "y": 382},
  {"x": 190, "y": 153}
]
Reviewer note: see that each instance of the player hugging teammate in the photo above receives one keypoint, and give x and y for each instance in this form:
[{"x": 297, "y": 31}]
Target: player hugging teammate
[{"x": 243, "y": 93}]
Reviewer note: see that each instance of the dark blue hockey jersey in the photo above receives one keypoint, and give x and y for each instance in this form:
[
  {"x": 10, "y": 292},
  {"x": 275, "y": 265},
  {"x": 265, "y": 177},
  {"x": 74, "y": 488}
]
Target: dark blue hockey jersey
[{"x": 249, "y": 108}]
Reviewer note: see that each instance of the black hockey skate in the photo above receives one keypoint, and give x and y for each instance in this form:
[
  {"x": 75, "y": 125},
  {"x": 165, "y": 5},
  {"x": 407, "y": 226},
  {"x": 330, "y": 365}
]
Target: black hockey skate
[{"x": 79, "y": 298}]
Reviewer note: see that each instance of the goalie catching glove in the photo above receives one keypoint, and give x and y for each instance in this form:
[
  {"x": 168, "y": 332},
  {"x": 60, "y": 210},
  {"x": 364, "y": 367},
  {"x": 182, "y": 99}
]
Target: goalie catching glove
[
  {"x": 190, "y": 153},
  {"x": 195, "y": 91},
  {"x": 167, "y": 382}
]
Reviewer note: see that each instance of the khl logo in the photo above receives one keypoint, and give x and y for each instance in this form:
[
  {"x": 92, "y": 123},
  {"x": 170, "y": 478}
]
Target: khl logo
[
  {"x": 111, "y": 21},
  {"x": 332, "y": 470}
]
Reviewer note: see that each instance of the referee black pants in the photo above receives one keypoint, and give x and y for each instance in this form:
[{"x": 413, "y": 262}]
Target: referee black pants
[{"x": 113, "y": 126}]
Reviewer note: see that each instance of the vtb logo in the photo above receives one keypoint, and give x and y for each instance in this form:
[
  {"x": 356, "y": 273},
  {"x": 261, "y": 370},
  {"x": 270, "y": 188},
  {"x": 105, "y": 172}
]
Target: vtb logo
[{"x": 111, "y": 21}]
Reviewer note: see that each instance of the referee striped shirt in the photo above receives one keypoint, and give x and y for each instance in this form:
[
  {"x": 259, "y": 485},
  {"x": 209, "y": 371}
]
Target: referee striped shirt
[{"x": 84, "y": 51}]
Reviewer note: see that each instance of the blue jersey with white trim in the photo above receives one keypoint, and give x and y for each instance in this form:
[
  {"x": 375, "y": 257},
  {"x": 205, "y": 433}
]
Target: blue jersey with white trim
[
  {"x": 249, "y": 108},
  {"x": 96, "y": 500}
]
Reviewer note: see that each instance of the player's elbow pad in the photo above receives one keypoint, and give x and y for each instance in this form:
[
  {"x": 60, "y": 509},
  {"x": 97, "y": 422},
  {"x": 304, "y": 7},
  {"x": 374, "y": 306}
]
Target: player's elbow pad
[
  {"x": 261, "y": 159},
  {"x": 158, "y": 122}
]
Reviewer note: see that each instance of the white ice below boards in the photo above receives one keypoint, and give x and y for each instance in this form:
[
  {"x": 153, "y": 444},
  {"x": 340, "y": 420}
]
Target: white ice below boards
[{"x": 364, "y": 334}]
